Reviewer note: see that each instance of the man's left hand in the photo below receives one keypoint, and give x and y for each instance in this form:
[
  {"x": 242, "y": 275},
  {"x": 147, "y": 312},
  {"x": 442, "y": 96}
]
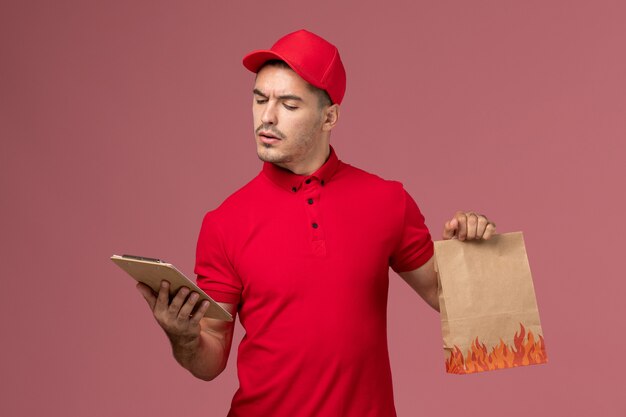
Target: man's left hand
[{"x": 468, "y": 225}]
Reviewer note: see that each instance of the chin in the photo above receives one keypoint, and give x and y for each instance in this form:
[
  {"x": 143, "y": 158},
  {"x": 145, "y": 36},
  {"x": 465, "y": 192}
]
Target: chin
[{"x": 268, "y": 153}]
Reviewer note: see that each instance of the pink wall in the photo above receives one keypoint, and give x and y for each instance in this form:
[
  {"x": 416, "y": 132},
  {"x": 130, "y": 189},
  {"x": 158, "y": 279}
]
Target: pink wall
[{"x": 122, "y": 122}]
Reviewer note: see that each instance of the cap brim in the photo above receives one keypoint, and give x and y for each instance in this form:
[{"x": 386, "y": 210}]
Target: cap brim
[{"x": 254, "y": 60}]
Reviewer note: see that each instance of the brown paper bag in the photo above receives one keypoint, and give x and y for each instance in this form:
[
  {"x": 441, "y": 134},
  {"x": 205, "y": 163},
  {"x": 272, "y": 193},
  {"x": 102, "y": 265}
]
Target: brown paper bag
[{"x": 489, "y": 316}]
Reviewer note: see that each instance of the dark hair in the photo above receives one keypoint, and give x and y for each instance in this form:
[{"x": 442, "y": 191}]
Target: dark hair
[{"x": 323, "y": 99}]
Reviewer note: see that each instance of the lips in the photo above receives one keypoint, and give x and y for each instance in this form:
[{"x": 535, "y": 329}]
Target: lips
[
  {"x": 268, "y": 135},
  {"x": 268, "y": 138}
]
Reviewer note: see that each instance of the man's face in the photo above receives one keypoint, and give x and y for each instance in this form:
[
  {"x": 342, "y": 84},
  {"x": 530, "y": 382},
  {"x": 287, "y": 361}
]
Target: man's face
[{"x": 287, "y": 118}]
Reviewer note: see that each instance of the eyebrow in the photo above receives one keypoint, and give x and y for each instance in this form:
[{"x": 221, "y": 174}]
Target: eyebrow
[{"x": 283, "y": 97}]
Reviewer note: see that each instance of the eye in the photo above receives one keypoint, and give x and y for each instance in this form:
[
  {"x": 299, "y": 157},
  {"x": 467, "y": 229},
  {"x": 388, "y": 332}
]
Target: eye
[
  {"x": 261, "y": 100},
  {"x": 290, "y": 108}
]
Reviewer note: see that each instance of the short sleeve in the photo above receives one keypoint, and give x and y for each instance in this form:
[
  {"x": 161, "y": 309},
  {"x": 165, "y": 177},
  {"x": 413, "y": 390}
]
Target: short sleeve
[
  {"x": 415, "y": 246},
  {"x": 215, "y": 273}
]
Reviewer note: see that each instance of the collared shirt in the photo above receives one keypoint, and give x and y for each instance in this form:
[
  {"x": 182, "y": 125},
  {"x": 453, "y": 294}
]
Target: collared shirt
[{"x": 306, "y": 258}]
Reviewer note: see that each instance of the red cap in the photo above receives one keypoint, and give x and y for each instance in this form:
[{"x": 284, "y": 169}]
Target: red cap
[{"x": 314, "y": 59}]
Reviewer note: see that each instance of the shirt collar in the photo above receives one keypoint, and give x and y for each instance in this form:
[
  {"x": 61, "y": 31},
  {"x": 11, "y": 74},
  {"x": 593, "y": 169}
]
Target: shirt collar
[{"x": 292, "y": 182}]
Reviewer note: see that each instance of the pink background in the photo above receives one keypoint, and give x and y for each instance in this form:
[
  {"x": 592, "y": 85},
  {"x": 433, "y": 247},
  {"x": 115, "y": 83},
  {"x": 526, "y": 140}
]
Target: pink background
[{"x": 123, "y": 122}]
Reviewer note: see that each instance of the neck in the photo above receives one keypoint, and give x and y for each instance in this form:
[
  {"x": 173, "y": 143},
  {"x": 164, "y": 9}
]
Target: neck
[{"x": 312, "y": 163}]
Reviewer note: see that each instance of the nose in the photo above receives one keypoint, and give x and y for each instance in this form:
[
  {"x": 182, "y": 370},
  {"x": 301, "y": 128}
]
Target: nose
[{"x": 269, "y": 116}]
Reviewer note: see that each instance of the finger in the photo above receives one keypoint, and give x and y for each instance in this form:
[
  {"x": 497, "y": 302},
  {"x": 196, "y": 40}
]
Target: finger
[
  {"x": 200, "y": 312},
  {"x": 490, "y": 230},
  {"x": 450, "y": 228},
  {"x": 472, "y": 223},
  {"x": 147, "y": 293},
  {"x": 462, "y": 219},
  {"x": 178, "y": 300},
  {"x": 480, "y": 228},
  {"x": 163, "y": 299},
  {"x": 187, "y": 308}
]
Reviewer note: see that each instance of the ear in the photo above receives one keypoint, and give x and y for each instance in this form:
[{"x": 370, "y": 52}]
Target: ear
[{"x": 331, "y": 116}]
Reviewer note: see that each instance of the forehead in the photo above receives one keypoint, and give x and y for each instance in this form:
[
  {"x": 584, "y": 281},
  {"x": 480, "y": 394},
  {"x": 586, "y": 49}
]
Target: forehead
[{"x": 279, "y": 81}]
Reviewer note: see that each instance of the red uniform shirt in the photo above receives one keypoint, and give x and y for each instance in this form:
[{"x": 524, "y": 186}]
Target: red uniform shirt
[{"x": 307, "y": 258}]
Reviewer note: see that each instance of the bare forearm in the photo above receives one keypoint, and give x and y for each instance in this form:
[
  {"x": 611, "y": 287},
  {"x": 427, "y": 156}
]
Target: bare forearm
[
  {"x": 425, "y": 282},
  {"x": 200, "y": 344},
  {"x": 204, "y": 357},
  {"x": 432, "y": 298}
]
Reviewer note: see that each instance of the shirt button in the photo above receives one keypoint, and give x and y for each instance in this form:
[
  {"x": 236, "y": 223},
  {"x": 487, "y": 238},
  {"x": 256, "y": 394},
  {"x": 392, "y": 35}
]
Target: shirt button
[
  {"x": 322, "y": 182},
  {"x": 294, "y": 189},
  {"x": 310, "y": 201},
  {"x": 308, "y": 181},
  {"x": 315, "y": 226}
]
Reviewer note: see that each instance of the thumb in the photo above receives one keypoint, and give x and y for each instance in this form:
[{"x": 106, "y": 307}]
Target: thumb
[{"x": 450, "y": 228}]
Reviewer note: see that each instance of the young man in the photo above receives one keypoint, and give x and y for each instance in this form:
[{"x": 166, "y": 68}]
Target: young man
[{"x": 302, "y": 253}]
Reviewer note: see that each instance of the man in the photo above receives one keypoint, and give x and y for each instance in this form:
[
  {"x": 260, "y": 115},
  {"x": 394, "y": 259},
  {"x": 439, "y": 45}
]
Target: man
[{"x": 302, "y": 253}]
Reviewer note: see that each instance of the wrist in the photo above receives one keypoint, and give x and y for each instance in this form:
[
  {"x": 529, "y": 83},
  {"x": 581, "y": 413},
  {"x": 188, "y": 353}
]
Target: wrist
[{"x": 184, "y": 349}]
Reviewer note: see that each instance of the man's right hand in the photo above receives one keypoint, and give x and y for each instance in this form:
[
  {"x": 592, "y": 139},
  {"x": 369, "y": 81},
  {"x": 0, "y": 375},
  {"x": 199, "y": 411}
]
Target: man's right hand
[
  {"x": 177, "y": 318},
  {"x": 200, "y": 344}
]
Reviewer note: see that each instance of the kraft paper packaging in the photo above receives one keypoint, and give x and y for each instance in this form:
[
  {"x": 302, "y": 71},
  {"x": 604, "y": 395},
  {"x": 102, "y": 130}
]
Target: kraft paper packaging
[{"x": 489, "y": 315}]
